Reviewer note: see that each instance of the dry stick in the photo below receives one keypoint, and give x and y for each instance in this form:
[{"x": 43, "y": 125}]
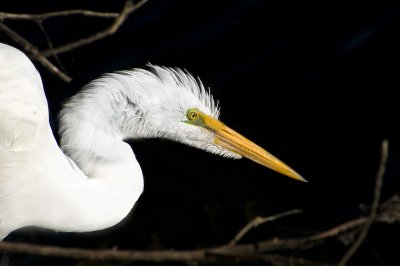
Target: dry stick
[
  {"x": 50, "y": 45},
  {"x": 241, "y": 251},
  {"x": 44, "y": 16},
  {"x": 182, "y": 256},
  {"x": 34, "y": 52},
  {"x": 128, "y": 8},
  {"x": 259, "y": 221},
  {"x": 375, "y": 204},
  {"x": 304, "y": 242}
]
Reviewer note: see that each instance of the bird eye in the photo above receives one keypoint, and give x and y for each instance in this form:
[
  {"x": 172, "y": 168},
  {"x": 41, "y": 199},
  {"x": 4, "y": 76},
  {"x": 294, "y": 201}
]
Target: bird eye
[{"x": 192, "y": 114}]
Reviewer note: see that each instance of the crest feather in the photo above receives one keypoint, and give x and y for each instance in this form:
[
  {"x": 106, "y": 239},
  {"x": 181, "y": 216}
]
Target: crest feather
[{"x": 183, "y": 78}]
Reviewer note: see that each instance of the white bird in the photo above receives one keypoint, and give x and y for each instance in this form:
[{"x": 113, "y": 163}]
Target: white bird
[{"x": 93, "y": 181}]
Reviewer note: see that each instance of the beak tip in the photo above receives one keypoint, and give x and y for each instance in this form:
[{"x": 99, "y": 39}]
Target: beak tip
[
  {"x": 304, "y": 180},
  {"x": 293, "y": 174},
  {"x": 300, "y": 178}
]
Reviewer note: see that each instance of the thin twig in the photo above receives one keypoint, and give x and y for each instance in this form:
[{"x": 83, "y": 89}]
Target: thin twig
[
  {"x": 41, "y": 56},
  {"x": 34, "y": 52},
  {"x": 128, "y": 9},
  {"x": 44, "y": 16},
  {"x": 309, "y": 241},
  {"x": 259, "y": 221},
  {"x": 375, "y": 204},
  {"x": 50, "y": 45}
]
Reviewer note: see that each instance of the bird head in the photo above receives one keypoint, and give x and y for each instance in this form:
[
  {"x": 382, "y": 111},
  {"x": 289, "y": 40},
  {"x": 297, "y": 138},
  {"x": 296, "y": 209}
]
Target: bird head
[{"x": 172, "y": 104}]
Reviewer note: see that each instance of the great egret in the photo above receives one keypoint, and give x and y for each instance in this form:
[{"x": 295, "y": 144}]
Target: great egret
[{"x": 94, "y": 180}]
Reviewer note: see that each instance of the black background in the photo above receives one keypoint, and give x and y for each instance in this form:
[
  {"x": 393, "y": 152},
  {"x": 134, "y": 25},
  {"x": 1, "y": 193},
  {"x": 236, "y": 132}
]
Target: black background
[{"x": 313, "y": 83}]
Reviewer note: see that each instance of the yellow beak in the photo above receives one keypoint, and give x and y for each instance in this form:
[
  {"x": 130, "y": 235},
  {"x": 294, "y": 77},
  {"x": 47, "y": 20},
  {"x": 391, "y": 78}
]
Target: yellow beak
[{"x": 229, "y": 139}]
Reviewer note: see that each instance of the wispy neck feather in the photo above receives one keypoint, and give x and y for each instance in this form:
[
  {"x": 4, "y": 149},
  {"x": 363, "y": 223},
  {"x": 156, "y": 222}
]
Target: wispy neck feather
[{"x": 128, "y": 104}]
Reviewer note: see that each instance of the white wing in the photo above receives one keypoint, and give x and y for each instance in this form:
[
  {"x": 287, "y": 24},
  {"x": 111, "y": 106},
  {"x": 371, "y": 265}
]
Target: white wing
[
  {"x": 23, "y": 112},
  {"x": 39, "y": 185},
  {"x": 23, "y": 105}
]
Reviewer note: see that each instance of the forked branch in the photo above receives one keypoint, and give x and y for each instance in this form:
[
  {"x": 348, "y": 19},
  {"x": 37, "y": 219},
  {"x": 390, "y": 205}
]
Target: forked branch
[{"x": 41, "y": 56}]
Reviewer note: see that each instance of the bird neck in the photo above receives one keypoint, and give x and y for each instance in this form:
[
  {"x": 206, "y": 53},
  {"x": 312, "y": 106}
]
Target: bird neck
[
  {"x": 93, "y": 137},
  {"x": 91, "y": 127}
]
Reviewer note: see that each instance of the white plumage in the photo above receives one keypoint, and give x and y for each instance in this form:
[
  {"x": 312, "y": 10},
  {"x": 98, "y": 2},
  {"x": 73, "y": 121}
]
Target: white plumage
[{"x": 94, "y": 180}]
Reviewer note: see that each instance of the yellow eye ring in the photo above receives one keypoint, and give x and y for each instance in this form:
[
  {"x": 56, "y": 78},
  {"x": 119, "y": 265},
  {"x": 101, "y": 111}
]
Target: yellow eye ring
[{"x": 192, "y": 114}]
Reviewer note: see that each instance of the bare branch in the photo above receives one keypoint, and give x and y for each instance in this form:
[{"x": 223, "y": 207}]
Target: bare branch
[
  {"x": 191, "y": 256},
  {"x": 375, "y": 205},
  {"x": 128, "y": 9},
  {"x": 44, "y": 16},
  {"x": 34, "y": 52},
  {"x": 309, "y": 241},
  {"x": 259, "y": 221},
  {"x": 41, "y": 56}
]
